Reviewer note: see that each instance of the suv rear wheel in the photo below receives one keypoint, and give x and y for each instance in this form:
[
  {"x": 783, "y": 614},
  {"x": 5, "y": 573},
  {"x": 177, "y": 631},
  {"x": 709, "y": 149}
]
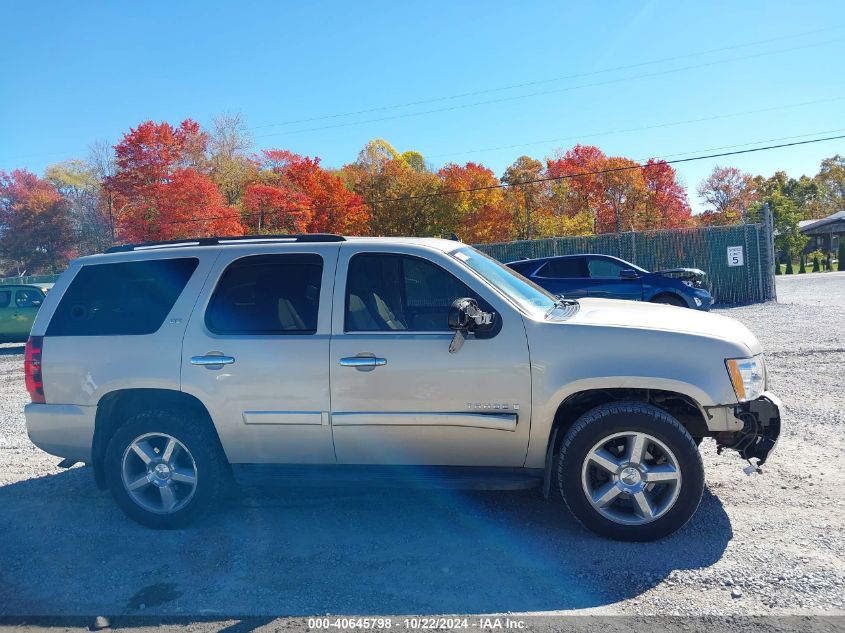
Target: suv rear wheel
[
  {"x": 164, "y": 467},
  {"x": 630, "y": 471}
]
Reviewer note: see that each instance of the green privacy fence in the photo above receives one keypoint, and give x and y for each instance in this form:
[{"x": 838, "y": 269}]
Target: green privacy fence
[
  {"x": 29, "y": 279},
  {"x": 747, "y": 278}
]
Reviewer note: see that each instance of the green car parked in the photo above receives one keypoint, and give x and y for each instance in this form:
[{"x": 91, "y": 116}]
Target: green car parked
[{"x": 18, "y": 306}]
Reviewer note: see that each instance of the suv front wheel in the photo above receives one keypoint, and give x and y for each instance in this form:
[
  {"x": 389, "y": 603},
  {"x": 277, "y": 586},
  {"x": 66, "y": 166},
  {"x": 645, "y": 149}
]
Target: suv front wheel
[
  {"x": 164, "y": 467},
  {"x": 630, "y": 471}
]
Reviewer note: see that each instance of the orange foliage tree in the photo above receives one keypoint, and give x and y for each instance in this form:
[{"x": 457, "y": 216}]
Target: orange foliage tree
[
  {"x": 477, "y": 215},
  {"x": 308, "y": 198}
]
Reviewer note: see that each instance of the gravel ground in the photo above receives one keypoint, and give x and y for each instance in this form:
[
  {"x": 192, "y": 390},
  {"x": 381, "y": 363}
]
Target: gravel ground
[{"x": 765, "y": 544}]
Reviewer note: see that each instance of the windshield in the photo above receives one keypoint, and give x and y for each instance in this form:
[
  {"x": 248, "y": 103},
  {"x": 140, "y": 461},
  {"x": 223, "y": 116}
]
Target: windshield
[{"x": 528, "y": 295}]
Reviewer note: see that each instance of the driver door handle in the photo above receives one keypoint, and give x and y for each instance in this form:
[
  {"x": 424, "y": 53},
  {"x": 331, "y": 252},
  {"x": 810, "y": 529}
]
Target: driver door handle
[
  {"x": 211, "y": 360},
  {"x": 362, "y": 361}
]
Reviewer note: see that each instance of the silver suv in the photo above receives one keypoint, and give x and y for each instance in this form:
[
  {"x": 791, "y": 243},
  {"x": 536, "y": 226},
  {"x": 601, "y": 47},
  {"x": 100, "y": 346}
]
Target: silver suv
[{"x": 176, "y": 368}]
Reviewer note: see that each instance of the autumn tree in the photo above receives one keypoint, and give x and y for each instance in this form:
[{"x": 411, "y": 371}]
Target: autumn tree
[
  {"x": 831, "y": 184},
  {"x": 613, "y": 193},
  {"x": 577, "y": 190},
  {"x": 665, "y": 203},
  {"x": 35, "y": 227},
  {"x": 274, "y": 209},
  {"x": 103, "y": 163},
  {"x": 624, "y": 195},
  {"x": 729, "y": 193},
  {"x": 80, "y": 185},
  {"x": 229, "y": 164},
  {"x": 476, "y": 212},
  {"x": 526, "y": 200},
  {"x": 306, "y": 196},
  {"x": 159, "y": 189},
  {"x": 399, "y": 190}
]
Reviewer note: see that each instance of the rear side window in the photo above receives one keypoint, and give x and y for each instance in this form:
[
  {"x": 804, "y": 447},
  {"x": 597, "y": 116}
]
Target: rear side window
[
  {"x": 127, "y": 298},
  {"x": 5, "y": 298},
  {"x": 568, "y": 268},
  {"x": 267, "y": 294}
]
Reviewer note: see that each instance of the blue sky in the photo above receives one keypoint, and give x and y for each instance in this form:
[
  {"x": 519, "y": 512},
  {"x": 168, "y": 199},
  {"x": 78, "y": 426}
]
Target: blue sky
[{"x": 78, "y": 72}]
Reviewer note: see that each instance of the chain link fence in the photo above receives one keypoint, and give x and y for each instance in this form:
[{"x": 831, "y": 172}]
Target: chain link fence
[
  {"x": 29, "y": 279},
  {"x": 739, "y": 260}
]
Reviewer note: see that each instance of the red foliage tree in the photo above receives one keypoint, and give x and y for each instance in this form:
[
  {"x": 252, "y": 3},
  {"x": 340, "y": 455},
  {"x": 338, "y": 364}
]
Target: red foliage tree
[
  {"x": 728, "y": 193},
  {"x": 159, "y": 190},
  {"x": 35, "y": 227},
  {"x": 666, "y": 204},
  {"x": 274, "y": 209},
  {"x": 617, "y": 192}
]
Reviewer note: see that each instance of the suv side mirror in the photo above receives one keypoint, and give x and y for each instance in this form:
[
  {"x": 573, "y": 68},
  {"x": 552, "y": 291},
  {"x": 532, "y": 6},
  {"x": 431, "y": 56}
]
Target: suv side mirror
[
  {"x": 465, "y": 316},
  {"x": 629, "y": 273}
]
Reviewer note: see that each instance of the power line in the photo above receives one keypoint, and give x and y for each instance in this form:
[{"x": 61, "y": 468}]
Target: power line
[
  {"x": 545, "y": 92},
  {"x": 642, "y": 128},
  {"x": 532, "y": 181},
  {"x": 770, "y": 140},
  {"x": 546, "y": 81}
]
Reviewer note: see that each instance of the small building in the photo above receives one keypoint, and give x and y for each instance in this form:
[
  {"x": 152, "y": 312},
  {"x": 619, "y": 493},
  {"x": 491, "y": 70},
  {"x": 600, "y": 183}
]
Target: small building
[{"x": 824, "y": 234}]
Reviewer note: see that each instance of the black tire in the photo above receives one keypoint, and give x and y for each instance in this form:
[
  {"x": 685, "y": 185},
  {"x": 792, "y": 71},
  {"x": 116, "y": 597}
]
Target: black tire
[
  {"x": 670, "y": 300},
  {"x": 212, "y": 471},
  {"x": 628, "y": 417}
]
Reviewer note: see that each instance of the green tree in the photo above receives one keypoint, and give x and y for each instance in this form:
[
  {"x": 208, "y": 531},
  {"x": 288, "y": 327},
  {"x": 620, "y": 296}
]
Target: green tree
[
  {"x": 786, "y": 212},
  {"x": 831, "y": 185},
  {"x": 80, "y": 185},
  {"x": 789, "y": 270},
  {"x": 816, "y": 263},
  {"x": 802, "y": 267}
]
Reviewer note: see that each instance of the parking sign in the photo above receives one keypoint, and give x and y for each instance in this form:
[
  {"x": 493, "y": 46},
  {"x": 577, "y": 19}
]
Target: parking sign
[{"x": 735, "y": 256}]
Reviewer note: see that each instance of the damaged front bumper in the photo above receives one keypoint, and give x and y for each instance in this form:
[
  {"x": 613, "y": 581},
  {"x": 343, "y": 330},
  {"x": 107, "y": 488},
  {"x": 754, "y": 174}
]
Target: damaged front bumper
[{"x": 753, "y": 427}]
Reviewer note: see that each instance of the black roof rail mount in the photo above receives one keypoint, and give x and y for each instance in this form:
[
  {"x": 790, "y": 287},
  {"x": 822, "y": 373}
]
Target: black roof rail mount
[{"x": 222, "y": 241}]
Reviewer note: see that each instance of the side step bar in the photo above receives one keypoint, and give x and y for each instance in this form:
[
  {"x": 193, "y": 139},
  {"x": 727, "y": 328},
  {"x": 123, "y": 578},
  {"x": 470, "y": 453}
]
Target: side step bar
[{"x": 457, "y": 477}]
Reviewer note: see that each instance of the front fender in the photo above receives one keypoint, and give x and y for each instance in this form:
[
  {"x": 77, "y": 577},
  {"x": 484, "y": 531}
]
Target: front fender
[{"x": 568, "y": 358}]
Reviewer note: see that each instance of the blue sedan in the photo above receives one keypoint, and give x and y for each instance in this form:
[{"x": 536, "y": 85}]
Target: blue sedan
[{"x": 609, "y": 277}]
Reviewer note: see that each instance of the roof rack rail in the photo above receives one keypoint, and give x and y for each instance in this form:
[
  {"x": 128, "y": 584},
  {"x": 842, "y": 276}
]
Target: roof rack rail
[{"x": 222, "y": 241}]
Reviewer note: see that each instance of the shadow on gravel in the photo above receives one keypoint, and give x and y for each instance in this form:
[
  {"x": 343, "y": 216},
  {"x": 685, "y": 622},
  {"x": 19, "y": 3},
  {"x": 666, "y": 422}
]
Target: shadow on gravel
[
  {"x": 12, "y": 351},
  {"x": 66, "y": 549}
]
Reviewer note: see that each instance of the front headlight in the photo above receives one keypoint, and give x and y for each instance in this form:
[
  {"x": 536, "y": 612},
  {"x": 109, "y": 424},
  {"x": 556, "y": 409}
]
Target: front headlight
[{"x": 748, "y": 377}]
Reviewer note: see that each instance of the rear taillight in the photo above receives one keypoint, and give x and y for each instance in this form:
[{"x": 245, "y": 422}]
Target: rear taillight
[{"x": 32, "y": 368}]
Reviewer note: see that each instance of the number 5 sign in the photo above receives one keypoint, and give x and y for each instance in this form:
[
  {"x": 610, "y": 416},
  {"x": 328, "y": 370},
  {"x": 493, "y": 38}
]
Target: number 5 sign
[{"x": 735, "y": 256}]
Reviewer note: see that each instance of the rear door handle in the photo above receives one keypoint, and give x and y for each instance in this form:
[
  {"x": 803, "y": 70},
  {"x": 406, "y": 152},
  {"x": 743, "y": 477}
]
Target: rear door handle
[
  {"x": 211, "y": 360},
  {"x": 362, "y": 361}
]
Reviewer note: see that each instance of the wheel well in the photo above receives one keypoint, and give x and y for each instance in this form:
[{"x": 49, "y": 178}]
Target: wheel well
[
  {"x": 118, "y": 406},
  {"x": 673, "y": 295},
  {"x": 681, "y": 407}
]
